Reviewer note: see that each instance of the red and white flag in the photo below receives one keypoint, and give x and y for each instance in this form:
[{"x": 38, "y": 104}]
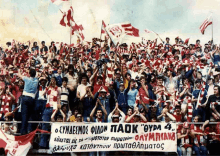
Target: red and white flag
[
  {"x": 17, "y": 145},
  {"x": 147, "y": 31},
  {"x": 62, "y": 21},
  {"x": 67, "y": 18},
  {"x": 119, "y": 31},
  {"x": 205, "y": 24},
  {"x": 58, "y": 2},
  {"x": 103, "y": 27},
  {"x": 77, "y": 29}
]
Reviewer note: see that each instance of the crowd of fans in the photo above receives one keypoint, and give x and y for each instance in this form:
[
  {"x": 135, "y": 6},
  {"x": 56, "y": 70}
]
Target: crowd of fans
[{"x": 142, "y": 82}]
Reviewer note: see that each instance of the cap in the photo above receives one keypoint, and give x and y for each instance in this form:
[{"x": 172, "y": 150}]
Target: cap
[
  {"x": 103, "y": 90},
  {"x": 185, "y": 125},
  {"x": 79, "y": 115},
  {"x": 121, "y": 84},
  {"x": 115, "y": 116}
]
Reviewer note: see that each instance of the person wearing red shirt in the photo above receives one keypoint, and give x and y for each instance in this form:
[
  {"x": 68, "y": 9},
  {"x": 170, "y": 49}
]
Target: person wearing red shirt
[
  {"x": 199, "y": 144},
  {"x": 184, "y": 141},
  {"x": 129, "y": 113},
  {"x": 9, "y": 59}
]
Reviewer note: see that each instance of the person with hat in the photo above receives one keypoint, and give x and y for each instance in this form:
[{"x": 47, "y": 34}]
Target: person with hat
[
  {"x": 41, "y": 98},
  {"x": 103, "y": 98},
  {"x": 116, "y": 116},
  {"x": 122, "y": 98},
  {"x": 101, "y": 117},
  {"x": 53, "y": 103},
  {"x": 184, "y": 140}
]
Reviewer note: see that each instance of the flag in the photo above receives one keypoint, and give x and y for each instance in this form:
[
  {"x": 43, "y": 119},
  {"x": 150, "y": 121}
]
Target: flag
[
  {"x": 205, "y": 24},
  {"x": 17, "y": 145},
  {"x": 62, "y": 21},
  {"x": 103, "y": 26},
  {"x": 70, "y": 16},
  {"x": 147, "y": 31},
  {"x": 58, "y": 2},
  {"x": 67, "y": 18},
  {"x": 118, "y": 32},
  {"x": 186, "y": 41}
]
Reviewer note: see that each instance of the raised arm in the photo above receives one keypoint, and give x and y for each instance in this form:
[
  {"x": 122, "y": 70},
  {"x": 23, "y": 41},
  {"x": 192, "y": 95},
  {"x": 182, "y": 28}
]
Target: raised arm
[{"x": 93, "y": 112}]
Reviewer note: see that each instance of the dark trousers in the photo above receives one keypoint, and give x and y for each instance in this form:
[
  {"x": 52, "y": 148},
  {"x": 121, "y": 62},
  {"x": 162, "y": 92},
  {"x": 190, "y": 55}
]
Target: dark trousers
[
  {"x": 39, "y": 109},
  {"x": 27, "y": 112},
  {"x": 46, "y": 126}
]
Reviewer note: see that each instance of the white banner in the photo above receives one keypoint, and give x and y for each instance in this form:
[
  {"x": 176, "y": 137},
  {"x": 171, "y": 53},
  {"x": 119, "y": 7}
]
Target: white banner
[{"x": 81, "y": 137}]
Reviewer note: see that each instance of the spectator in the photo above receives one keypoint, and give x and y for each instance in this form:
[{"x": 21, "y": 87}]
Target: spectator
[
  {"x": 28, "y": 102},
  {"x": 184, "y": 141}
]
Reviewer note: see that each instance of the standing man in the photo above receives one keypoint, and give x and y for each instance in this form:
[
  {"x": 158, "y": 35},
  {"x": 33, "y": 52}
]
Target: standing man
[{"x": 27, "y": 105}]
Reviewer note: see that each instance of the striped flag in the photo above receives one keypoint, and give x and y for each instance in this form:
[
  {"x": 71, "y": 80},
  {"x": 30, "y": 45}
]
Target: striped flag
[
  {"x": 205, "y": 24},
  {"x": 117, "y": 32}
]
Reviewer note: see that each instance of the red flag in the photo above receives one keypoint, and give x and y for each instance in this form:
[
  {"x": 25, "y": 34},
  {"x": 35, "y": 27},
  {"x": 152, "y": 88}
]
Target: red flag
[
  {"x": 70, "y": 16},
  {"x": 186, "y": 41},
  {"x": 205, "y": 24},
  {"x": 62, "y": 22}
]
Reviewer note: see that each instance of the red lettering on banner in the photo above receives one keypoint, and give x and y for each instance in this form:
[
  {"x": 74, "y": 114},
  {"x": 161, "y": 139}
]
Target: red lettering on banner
[
  {"x": 156, "y": 136},
  {"x": 165, "y": 136},
  {"x": 151, "y": 136}
]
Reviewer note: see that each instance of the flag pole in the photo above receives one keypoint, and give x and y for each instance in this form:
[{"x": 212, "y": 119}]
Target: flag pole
[
  {"x": 70, "y": 25},
  {"x": 212, "y": 30},
  {"x": 110, "y": 37},
  {"x": 100, "y": 37}
]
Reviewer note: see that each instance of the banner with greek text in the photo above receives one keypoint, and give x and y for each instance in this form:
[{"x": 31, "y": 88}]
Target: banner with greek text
[{"x": 82, "y": 137}]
